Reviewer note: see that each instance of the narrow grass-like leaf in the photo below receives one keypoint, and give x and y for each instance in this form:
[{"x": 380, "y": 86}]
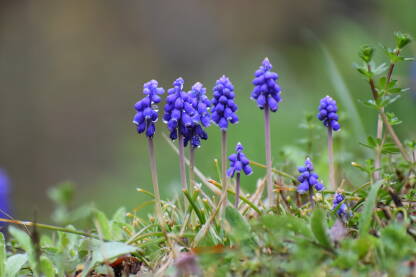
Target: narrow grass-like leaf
[
  {"x": 195, "y": 207},
  {"x": 367, "y": 212},
  {"x": 2, "y": 255},
  {"x": 319, "y": 228},
  {"x": 243, "y": 198}
]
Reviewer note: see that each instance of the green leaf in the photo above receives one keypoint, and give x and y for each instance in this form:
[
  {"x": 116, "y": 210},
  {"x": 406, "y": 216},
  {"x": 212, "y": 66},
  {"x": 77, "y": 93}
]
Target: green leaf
[
  {"x": 22, "y": 238},
  {"x": 288, "y": 223},
  {"x": 47, "y": 267},
  {"x": 2, "y": 254},
  {"x": 14, "y": 264},
  {"x": 366, "y": 53},
  {"x": 240, "y": 227},
  {"x": 62, "y": 194},
  {"x": 367, "y": 213},
  {"x": 320, "y": 228},
  {"x": 103, "y": 224},
  {"x": 105, "y": 251},
  {"x": 402, "y": 39}
]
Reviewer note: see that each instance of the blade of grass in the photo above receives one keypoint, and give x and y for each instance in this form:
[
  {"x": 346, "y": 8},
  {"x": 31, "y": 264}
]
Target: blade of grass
[
  {"x": 194, "y": 207},
  {"x": 278, "y": 172},
  {"x": 243, "y": 198}
]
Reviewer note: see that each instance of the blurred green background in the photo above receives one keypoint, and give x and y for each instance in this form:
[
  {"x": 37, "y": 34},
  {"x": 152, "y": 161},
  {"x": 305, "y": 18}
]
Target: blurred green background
[{"x": 71, "y": 71}]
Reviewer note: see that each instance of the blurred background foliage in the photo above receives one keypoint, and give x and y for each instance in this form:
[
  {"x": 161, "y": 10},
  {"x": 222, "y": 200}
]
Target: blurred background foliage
[{"x": 71, "y": 71}]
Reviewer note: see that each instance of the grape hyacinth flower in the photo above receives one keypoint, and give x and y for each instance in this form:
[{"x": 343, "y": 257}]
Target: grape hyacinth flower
[
  {"x": 202, "y": 118},
  {"x": 308, "y": 180},
  {"x": 223, "y": 112},
  {"x": 339, "y": 202},
  {"x": 147, "y": 114},
  {"x": 329, "y": 117},
  {"x": 4, "y": 198},
  {"x": 238, "y": 163},
  {"x": 179, "y": 115},
  {"x": 145, "y": 118},
  {"x": 266, "y": 93}
]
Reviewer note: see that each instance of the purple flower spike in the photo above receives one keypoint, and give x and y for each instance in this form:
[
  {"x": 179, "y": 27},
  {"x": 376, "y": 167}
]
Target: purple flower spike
[
  {"x": 179, "y": 113},
  {"x": 201, "y": 104},
  {"x": 308, "y": 178},
  {"x": 147, "y": 111},
  {"x": 338, "y": 201},
  {"x": 266, "y": 91},
  {"x": 239, "y": 162},
  {"x": 224, "y": 107},
  {"x": 328, "y": 113},
  {"x": 202, "y": 116}
]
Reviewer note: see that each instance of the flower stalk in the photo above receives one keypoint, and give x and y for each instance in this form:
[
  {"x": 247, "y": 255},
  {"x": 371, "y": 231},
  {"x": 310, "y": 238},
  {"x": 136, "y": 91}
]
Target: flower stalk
[
  {"x": 332, "y": 182},
  {"x": 155, "y": 183},
  {"x": 237, "y": 190},
  {"x": 328, "y": 115},
  {"x": 224, "y": 165},
  {"x": 269, "y": 177},
  {"x": 181, "y": 147},
  {"x": 191, "y": 168}
]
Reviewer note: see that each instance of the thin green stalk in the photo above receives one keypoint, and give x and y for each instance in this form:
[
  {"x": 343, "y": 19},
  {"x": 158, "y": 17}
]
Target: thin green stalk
[
  {"x": 182, "y": 162},
  {"x": 332, "y": 182},
  {"x": 395, "y": 137},
  {"x": 243, "y": 198},
  {"x": 237, "y": 189},
  {"x": 311, "y": 197},
  {"x": 158, "y": 206},
  {"x": 48, "y": 227},
  {"x": 152, "y": 234},
  {"x": 195, "y": 207},
  {"x": 224, "y": 167},
  {"x": 269, "y": 177},
  {"x": 191, "y": 167},
  {"x": 153, "y": 170},
  {"x": 278, "y": 172}
]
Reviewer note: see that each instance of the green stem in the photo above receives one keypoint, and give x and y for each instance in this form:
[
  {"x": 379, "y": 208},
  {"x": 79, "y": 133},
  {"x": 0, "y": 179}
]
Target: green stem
[
  {"x": 182, "y": 162},
  {"x": 195, "y": 207},
  {"x": 224, "y": 167},
  {"x": 278, "y": 172},
  {"x": 269, "y": 178},
  {"x": 191, "y": 167},
  {"x": 48, "y": 227},
  {"x": 243, "y": 198},
  {"x": 237, "y": 189},
  {"x": 332, "y": 181}
]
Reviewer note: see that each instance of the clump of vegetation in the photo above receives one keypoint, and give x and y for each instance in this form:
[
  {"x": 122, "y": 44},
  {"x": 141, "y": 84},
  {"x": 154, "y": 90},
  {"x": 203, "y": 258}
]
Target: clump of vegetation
[{"x": 289, "y": 226}]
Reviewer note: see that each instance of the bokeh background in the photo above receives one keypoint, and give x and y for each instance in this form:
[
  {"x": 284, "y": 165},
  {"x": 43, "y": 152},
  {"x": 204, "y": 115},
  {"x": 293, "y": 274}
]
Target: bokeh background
[{"x": 71, "y": 71}]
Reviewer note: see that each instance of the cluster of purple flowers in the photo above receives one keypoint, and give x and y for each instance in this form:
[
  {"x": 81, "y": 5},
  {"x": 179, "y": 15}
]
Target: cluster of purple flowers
[
  {"x": 328, "y": 113},
  {"x": 224, "y": 108},
  {"x": 308, "y": 179},
  {"x": 339, "y": 201},
  {"x": 266, "y": 91},
  {"x": 188, "y": 113},
  {"x": 147, "y": 112},
  {"x": 202, "y": 116},
  {"x": 179, "y": 112},
  {"x": 239, "y": 162}
]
